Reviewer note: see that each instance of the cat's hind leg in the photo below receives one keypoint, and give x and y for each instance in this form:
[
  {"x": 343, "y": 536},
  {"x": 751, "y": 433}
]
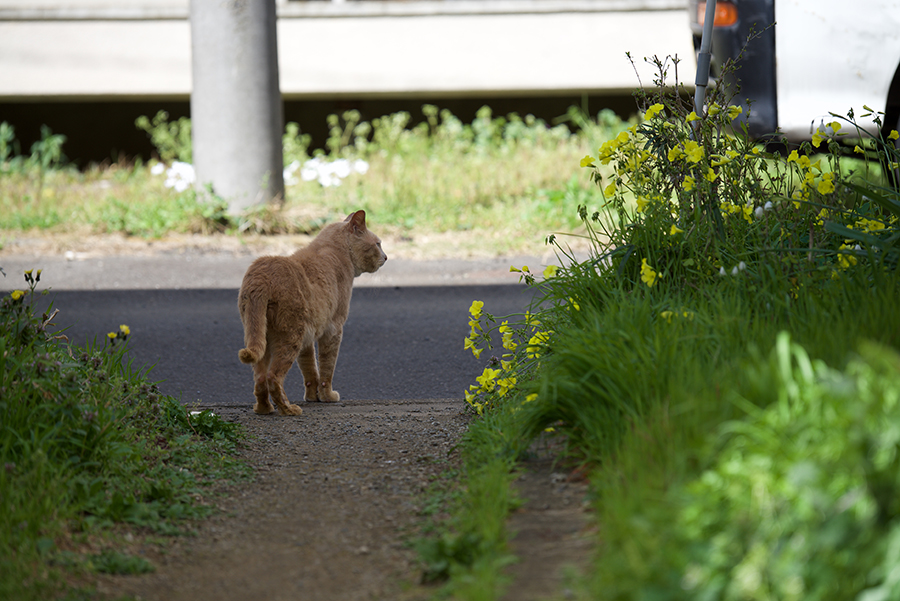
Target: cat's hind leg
[
  {"x": 310, "y": 370},
  {"x": 282, "y": 359},
  {"x": 263, "y": 405}
]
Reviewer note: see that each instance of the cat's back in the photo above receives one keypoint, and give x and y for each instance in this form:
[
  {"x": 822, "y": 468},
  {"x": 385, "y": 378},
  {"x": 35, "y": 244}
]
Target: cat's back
[{"x": 274, "y": 275}]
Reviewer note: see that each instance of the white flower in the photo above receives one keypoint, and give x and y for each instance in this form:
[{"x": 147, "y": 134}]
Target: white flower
[
  {"x": 768, "y": 206},
  {"x": 180, "y": 176},
  {"x": 326, "y": 180},
  {"x": 288, "y": 173},
  {"x": 742, "y": 266},
  {"x": 341, "y": 168},
  {"x": 330, "y": 173},
  {"x": 759, "y": 212},
  {"x": 722, "y": 271},
  {"x": 157, "y": 169}
]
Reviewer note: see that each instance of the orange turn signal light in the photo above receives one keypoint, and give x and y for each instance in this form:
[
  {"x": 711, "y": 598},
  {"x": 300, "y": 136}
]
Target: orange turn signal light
[{"x": 726, "y": 14}]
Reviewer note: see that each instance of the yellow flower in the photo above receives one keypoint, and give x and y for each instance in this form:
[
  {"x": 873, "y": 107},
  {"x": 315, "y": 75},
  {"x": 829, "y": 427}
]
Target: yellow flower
[
  {"x": 648, "y": 275},
  {"x": 858, "y": 150},
  {"x": 675, "y": 230},
  {"x": 508, "y": 342},
  {"x": 734, "y": 112},
  {"x": 17, "y": 294},
  {"x": 486, "y": 379},
  {"x": 826, "y": 186},
  {"x": 112, "y": 335},
  {"x": 622, "y": 138},
  {"x": 505, "y": 385},
  {"x": 714, "y": 110},
  {"x": 653, "y": 111},
  {"x": 688, "y": 183},
  {"x": 667, "y": 315},
  {"x": 846, "y": 260},
  {"x": 125, "y": 329},
  {"x": 747, "y": 212},
  {"x": 531, "y": 397},
  {"x": 475, "y": 309},
  {"x": 587, "y": 161},
  {"x": 817, "y": 139},
  {"x": 610, "y": 190},
  {"x": 835, "y": 127},
  {"x": 535, "y": 343},
  {"x": 574, "y": 304},
  {"x": 641, "y": 203},
  {"x": 675, "y": 153},
  {"x": 711, "y": 175},
  {"x": 693, "y": 151},
  {"x": 870, "y": 225},
  {"x": 793, "y": 157},
  {"x": 550, "y": 271},
  {"x": 692, "y": 116},
  {"x": 893, "y": 135}
]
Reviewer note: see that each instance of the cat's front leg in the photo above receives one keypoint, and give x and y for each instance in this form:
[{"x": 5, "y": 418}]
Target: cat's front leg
[
  {"x": 328, "y": 353},
  {"x": 326, "y": 394}
]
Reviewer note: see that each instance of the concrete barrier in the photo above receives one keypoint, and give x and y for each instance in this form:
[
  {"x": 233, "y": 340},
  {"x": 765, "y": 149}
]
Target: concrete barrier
[{"x": 140, "y": 49}]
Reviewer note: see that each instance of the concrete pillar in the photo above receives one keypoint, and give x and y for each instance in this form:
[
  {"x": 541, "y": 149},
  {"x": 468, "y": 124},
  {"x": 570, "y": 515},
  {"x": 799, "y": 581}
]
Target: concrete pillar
[{"x": 237, "y": 116}]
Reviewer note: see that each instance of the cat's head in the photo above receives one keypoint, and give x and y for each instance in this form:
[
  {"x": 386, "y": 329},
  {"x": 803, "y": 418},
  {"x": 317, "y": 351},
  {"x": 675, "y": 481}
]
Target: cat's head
[{"x": 365, "y": 247}]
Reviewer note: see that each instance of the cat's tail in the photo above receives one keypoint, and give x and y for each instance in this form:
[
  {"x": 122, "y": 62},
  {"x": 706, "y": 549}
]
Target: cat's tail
[{"x": 253, "y": 314}]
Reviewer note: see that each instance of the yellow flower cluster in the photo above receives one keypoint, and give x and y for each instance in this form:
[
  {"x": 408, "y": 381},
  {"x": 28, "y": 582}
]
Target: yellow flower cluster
[
  {"x": 123, "y": 333},
  {"x": 668, "y": 315},
  {"x": 536, "y": 344},
  {"x": 475, "y": 324},
  {"x": 745, "y": 211},
  {"x": 814, "y": 177},
  {"x": 648, "y": 275},
  {"x": 500, "y": 379}
]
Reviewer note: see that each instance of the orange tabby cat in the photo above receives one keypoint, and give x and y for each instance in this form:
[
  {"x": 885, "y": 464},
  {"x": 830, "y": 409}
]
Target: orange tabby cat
[{"x": 289, "y": 304}]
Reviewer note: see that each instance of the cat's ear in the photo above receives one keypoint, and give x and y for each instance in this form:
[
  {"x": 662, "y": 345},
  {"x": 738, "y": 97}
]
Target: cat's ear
[{"x": 357, "y": 221}]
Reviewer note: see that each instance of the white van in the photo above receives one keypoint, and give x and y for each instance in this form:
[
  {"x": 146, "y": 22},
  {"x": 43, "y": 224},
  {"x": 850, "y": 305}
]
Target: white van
[{"x": 819, "y": 57}]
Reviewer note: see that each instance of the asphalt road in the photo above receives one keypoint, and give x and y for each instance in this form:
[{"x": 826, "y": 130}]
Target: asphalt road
[{"x": 399, "y": 342}]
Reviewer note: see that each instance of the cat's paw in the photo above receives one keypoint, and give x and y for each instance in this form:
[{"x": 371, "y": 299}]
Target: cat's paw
[
  {"x": 290, "y": 410},
  {"x": 263, "y": 409},
  {"x": 310, "y": 395},
  {"x": 329, "y": 396}
]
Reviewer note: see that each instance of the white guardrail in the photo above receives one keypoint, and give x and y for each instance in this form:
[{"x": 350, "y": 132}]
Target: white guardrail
[{"x": 134, "y": 49}]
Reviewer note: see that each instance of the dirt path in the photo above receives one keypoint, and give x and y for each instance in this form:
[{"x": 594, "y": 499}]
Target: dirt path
[
  {"x": 334, "y": 504},
  {"x": 327, "y": 516}
]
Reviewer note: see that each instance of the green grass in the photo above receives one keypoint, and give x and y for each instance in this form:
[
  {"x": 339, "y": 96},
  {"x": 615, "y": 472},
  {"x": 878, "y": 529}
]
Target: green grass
[
  {"x": 90, "y": 450},
  {"x": 651, "y": 407},
  {"x": 505, "y": 181},
  {"x": 725, "y": 367}
]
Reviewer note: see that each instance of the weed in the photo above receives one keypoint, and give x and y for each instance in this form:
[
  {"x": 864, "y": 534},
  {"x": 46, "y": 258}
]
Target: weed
[
  {"x": 440, "y": 176},
  {"x": 100, "y": 444},
  {"x": 700, "y": 363}
]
